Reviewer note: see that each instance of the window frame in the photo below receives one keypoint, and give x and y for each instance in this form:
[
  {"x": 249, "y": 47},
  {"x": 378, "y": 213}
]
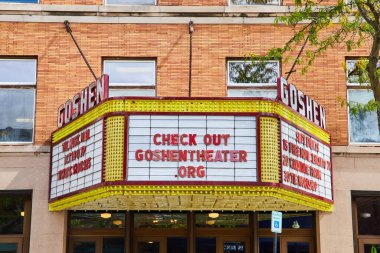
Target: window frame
[
  {"x": 22, "y": 240},
  {"x": 120, "y": 86},
  {"x": 251, "y": 85},
  {"x": 355, "y": 87},
  {"x": 239, "y": 5},
  {"x": 108, "y": 4},
  {"x": 22, "y": 86},
  {"x": 19, "y": 84},
  {"x": 349, "y": 122},
  {"x": 355, "y": 84}
]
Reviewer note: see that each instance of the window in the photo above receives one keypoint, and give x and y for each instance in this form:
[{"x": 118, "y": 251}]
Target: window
[
  {"x": 15, "y": 212},
  {"x": 252, "y": 79},
  {"x": 222, "y": 220},
  {"x": 160, "y": 220},
  {"x": 254, "y": 2},
  {"x": 97, "y": 231},
  {"x": 131, "y": 77},
  {"x": 355, "y": 76},
  {"x": 96, "y": 220},
  {"x": 131, "y": 2},
  {"x": 289, "y": 219},
  {"x": 20, "y": 1},
  {"x": 367, "y": 215},
  {"x": 17, "y": 99},
  {"x": 365, "y": 209},
  {"x": 363, "y": 126}
]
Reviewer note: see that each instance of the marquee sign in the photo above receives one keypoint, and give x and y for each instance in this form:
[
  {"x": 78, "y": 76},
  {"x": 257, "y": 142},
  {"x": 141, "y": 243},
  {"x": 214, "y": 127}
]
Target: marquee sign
[
  {"x": 191, "y": 154},
  {"x": 192, "y": 147},
  {"x": 77, "y": 161},
  {"x": 305, "y": 162}
]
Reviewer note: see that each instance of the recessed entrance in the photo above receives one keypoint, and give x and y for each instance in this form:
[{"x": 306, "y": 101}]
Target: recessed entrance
[
  {"x": 188, "y": 232},
  {"x": 297, "y": 245}
]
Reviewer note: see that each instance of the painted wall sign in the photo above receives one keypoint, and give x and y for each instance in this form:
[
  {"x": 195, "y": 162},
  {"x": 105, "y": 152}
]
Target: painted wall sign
[
  {"x": 90, "y": 96},
  {"x": 298, "y": 101},
  {"x": 77, "y": 160},
  {"x": 192, "y": 147},
  {"x": 306, "y": 162}
]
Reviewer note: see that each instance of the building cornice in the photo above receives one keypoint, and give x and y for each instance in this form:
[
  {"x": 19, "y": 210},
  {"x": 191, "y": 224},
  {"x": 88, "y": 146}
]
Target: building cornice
[
  {"x": 157, "y": 10},
  {"x": 41, "y": 13},
  {"x": 27, "y": 18}
]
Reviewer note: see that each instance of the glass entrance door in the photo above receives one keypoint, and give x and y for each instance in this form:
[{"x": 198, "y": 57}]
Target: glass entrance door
[
  {"x": 150, "y": 245},
  {"x": 96, "y": 244},
  {"x": 10, "y": 245},
  {"x": 297, "y": 245},
  {"x": 85, "y": 245},
  {"x": 234, "y": 245},
  {"x": 369, "y": 245}
]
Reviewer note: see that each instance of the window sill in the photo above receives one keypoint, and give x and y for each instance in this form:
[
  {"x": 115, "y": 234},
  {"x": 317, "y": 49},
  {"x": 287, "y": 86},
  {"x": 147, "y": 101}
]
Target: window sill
[
  {"x": 358, "y": 149},
  {"x": 23, "y": 148}
]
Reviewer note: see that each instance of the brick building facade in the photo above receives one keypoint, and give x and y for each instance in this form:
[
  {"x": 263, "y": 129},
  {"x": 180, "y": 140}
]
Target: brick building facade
[{"x": 159, "y": 33}]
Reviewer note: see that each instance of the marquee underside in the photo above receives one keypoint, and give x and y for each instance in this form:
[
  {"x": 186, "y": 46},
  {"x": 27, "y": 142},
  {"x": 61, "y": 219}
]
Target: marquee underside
[{"x": 227, "y": 198}]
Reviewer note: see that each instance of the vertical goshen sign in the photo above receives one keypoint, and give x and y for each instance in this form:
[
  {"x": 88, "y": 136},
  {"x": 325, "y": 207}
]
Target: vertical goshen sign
[
  {"x": 83, "y": 101},
  {"x": 192, "y": 147},
  {"x": 298, "y": 101}
]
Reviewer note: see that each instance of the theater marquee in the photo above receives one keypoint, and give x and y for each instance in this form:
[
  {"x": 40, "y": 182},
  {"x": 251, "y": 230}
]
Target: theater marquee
[
  {"x": 193, "y": 154},
  {"x": 192, "y": 147}
]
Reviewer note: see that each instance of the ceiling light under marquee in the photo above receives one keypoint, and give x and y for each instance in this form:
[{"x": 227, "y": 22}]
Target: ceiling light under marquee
[
  {"x": 210, "y": 222},
  {"x": 117, "y": 222},
  {"x": 213, "y": 215},
  {"x": 105, "y": 215}
]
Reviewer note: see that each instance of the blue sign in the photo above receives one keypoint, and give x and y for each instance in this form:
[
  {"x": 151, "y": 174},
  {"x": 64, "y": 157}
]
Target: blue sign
[{"x": 276, "y": 224}]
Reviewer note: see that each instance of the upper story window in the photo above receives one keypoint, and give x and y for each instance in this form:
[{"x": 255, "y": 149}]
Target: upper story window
[
  {"x": 20, "y": 1},
  {"x": 363, "y": 126},
  {"x": 252, "y": 79},
  {"x": 131, "y": 77},
  {"x": 130, "y": 2},
  {"x": 254, "y": 2},
  {"x": 17, "y": 100}
]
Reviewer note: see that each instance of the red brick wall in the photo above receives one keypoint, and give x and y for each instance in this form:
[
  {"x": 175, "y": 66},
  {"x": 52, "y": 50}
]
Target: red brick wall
[{"x": 62, "y": 72}]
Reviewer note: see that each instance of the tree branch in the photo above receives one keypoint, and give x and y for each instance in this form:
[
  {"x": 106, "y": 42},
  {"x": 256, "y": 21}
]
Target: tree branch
[
  {"x": 364, "y": 14},
  {"x": 375, "y": 14}
]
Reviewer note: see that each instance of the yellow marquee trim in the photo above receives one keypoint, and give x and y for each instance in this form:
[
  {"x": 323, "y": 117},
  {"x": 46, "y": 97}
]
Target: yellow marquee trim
[
  {"x": 269, "y": 147},
  {"x": 191, "y": 106},
  {"x": 114, "y": 158},
  {"x": 159, "y": 190}
]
